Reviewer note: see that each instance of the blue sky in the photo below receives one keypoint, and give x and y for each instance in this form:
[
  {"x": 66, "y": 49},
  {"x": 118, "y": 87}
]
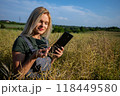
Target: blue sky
[{"x": 89, "y": 13}]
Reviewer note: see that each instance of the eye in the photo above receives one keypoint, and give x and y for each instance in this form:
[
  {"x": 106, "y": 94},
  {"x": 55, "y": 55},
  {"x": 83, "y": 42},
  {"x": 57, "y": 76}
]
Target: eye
[
  {"x": 46, "y": 23},
  {"x": 41, "y": 21}
]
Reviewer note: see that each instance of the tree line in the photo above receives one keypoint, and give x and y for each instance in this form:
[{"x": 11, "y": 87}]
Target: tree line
[
  {"x": 78, "y": 29},
  {"x": 64, "y": 28}
]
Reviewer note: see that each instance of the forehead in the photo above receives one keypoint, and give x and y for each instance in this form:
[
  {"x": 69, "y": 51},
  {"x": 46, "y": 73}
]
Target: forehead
[{"x": 45, "y": 17}]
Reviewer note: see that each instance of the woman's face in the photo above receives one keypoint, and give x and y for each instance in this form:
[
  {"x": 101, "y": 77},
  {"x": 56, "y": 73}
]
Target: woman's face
[{"x": 42, "y": 26}]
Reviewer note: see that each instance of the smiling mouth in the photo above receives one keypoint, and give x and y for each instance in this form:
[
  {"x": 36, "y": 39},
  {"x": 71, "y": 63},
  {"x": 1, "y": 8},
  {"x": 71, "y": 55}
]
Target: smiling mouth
[{"x": 41, "y": 29}]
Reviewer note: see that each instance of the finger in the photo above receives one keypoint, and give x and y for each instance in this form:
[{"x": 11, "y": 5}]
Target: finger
[
  {"x": 58, "y": 51},
  {"x": 41, "y": 50},
  {"x": 44, "y": 50},
  {"x": 57, "y": 55},
  {"x": 62, "y": 48},
  {"x": 47, "y": 50},
  {"x": 40, "y": 54}
]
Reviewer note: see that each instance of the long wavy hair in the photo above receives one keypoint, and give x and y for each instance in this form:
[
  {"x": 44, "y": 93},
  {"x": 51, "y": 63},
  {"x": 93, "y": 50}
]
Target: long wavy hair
[{"x": 33, "y": 19}]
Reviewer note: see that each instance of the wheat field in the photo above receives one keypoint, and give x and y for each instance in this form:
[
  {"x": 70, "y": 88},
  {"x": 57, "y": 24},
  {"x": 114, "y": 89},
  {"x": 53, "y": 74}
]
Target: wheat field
[{"x": 88, "y": 56}]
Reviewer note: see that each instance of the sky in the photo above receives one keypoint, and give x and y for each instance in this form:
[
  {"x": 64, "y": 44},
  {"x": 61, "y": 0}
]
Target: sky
[{"x": 89, "y": 13}]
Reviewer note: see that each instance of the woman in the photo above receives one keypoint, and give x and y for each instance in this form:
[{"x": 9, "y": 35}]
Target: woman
[{"x": 32, "y": 45}]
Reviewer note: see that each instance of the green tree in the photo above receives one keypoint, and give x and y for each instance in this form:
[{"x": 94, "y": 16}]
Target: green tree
[
  {"x": 3, "y": 26},
  {"x": 67, "y": 29},
  {"x": 82, "y": 29}
]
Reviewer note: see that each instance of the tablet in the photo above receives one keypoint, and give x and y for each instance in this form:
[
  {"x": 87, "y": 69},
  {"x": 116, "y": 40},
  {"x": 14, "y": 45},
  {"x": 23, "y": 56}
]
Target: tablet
[{"x": 61, "y": 42}]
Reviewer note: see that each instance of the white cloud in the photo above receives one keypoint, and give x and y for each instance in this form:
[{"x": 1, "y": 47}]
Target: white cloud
[
  {"x": 62, "y": 18},
  {"x": 83, "y": 17},
  {"x": 73, "y": 9}
]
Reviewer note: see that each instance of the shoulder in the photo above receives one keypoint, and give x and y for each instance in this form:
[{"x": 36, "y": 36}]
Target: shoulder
[
  {"x": 19, "y": 40},
  {"x": 19, "y": 45}
]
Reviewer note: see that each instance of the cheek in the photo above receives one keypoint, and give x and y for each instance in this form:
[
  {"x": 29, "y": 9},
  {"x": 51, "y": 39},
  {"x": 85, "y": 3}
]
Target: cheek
[
  {"x": 46, "y": 26},
  {"x": 37, "y": 26}
]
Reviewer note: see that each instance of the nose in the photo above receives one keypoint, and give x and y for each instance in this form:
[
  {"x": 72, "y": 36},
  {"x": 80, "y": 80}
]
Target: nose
[{"x": 42, "y": 24}]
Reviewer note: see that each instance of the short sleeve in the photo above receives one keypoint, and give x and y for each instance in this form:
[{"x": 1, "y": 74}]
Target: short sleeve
[{"x": 19, "y": 45}]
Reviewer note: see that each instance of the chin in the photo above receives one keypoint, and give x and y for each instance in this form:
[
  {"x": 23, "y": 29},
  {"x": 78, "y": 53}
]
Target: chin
[{"x": 41, "y": 33}]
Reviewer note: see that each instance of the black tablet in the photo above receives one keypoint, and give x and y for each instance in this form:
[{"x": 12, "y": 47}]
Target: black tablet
[{"x": 61, "y": 42}]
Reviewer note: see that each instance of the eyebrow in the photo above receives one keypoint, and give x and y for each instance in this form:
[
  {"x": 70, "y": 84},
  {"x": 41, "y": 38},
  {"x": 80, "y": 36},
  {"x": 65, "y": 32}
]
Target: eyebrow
[{"x": 44, "y": 21}]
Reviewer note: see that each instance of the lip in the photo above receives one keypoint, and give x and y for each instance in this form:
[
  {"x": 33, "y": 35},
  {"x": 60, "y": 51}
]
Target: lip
[{"x": 41, "y": 29}]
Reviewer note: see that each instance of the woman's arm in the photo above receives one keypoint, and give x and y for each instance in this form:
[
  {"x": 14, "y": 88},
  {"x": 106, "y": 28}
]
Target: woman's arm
[{"x": 21, "y": 66}]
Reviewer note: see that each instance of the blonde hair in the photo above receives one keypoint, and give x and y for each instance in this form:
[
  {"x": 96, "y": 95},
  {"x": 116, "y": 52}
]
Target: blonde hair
[{"x": 33, "y": 19}]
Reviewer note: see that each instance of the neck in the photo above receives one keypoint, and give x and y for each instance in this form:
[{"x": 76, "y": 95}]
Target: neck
[{"x": 36, "y": 36}]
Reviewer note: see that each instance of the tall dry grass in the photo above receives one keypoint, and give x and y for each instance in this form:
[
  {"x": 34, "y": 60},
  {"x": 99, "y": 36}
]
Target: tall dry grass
[{"x": 88, "y": 56}]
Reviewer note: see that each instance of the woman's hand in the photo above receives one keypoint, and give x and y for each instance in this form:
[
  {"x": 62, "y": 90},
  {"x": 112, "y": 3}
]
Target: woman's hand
[
  {"x": 59, "y": 52},
  {"x": 42, "y": 52}
]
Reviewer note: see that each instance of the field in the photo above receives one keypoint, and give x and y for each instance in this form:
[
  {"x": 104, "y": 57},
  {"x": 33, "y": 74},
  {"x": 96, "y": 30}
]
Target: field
[
  {"x": 88, "y": 56},
  {"x": 13, "y": 26}
]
